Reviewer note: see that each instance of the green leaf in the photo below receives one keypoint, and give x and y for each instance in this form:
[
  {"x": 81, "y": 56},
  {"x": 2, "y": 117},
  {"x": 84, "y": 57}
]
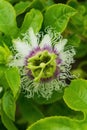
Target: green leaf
[
  {"x": 3, "y": 81},
  {"x": 80, "y": 53},
  {"x": 58, "y": 16},
  {"x": 83, "y": 66},
  {"x": 1, "y": 70},
  {"x": 13, "y": 80},
  {"x": 7, "y": 122},
  {"x": 60, "y": 108},
  {"x": 8, "y": 23},
  {"x": 74, "y": 40},
  {"x": 4, "y": 54},
  {"x": 6, "y": 40},
  {"x": 25, "y": 6},
  {"x": 77, "y": 23},
  {"x": 75, "y": 95},
  {"x": 38, "y": 4},
  {"x": 32, "y": 19},
  {"x": 73, "y": 3},
  {"x": 9, "y": 106},
  {"x": 80, "y": 72},
  {"x": 29, "y": 110},
  {"x": 1, "y": 91},
  {"x": 21, "y": 7},
  {"x": 55, "y": 123},
  {"x": 49, "y": 2}
]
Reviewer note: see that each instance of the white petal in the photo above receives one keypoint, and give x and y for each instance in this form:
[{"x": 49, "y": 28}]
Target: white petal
[
  {"x": 17, "y": 62},
  {"x": 22, "y": 48},
  {"x": 46, "y": 41},
  {"x": 60, "y": 46},
  {"x": 33, "y": 38}
]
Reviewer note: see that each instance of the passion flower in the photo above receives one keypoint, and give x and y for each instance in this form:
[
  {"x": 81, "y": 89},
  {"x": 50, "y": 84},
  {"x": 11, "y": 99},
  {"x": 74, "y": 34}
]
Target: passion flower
[{"x": 44, "y": 62}]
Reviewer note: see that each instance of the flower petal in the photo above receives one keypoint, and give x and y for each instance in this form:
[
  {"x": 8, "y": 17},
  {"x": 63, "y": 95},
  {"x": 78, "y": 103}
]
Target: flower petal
[
  {"x": 60, "y": 46},
  {"x": 22, "y": 48},
  {"x": 33, "y": 38},
  {"x": 46, "y": 41},
  {"x": 17, "y": 62}
]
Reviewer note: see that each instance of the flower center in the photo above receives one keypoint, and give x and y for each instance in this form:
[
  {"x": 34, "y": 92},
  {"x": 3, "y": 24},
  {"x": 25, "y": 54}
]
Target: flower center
[{"x": 42, "y": 65}]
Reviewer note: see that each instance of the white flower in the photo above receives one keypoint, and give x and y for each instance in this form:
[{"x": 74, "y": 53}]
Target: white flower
[{"x": 44, "y": 62}]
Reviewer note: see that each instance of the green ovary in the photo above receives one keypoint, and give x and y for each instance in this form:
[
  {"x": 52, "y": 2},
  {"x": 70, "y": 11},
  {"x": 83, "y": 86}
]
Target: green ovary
[{"x": 42, "y": 65}]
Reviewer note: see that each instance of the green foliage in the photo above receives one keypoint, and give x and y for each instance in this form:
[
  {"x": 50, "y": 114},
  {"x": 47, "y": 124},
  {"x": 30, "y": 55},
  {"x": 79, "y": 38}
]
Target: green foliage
[
  {"x": 29, "y": 110},
  {"x": 78, "y": 21},
  {"x": 2, "y": 68},
  {"x": 7, "y": 19},
  {"x": 7, "y": 122},
  {"x": 76, "y": 98},
  {"x": 9, "y": 106},
  {"x": 77, "y": 25},
  {"x": 21, "y": 7},
  {"x": 32, "y": 19},
  {"x": 13, "y": 80},
  {"x": 4, "y": 54},
  {"x": 55, "y": 123},
  {"x": 39, "y": 4},
  {"x": 80, "y": 52},
  {"x": 74, "y": 40},
  {"x": 25, "y": 6},
  {"x": 3, "y": 81},
  {"x": 58, "y": 16}
]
